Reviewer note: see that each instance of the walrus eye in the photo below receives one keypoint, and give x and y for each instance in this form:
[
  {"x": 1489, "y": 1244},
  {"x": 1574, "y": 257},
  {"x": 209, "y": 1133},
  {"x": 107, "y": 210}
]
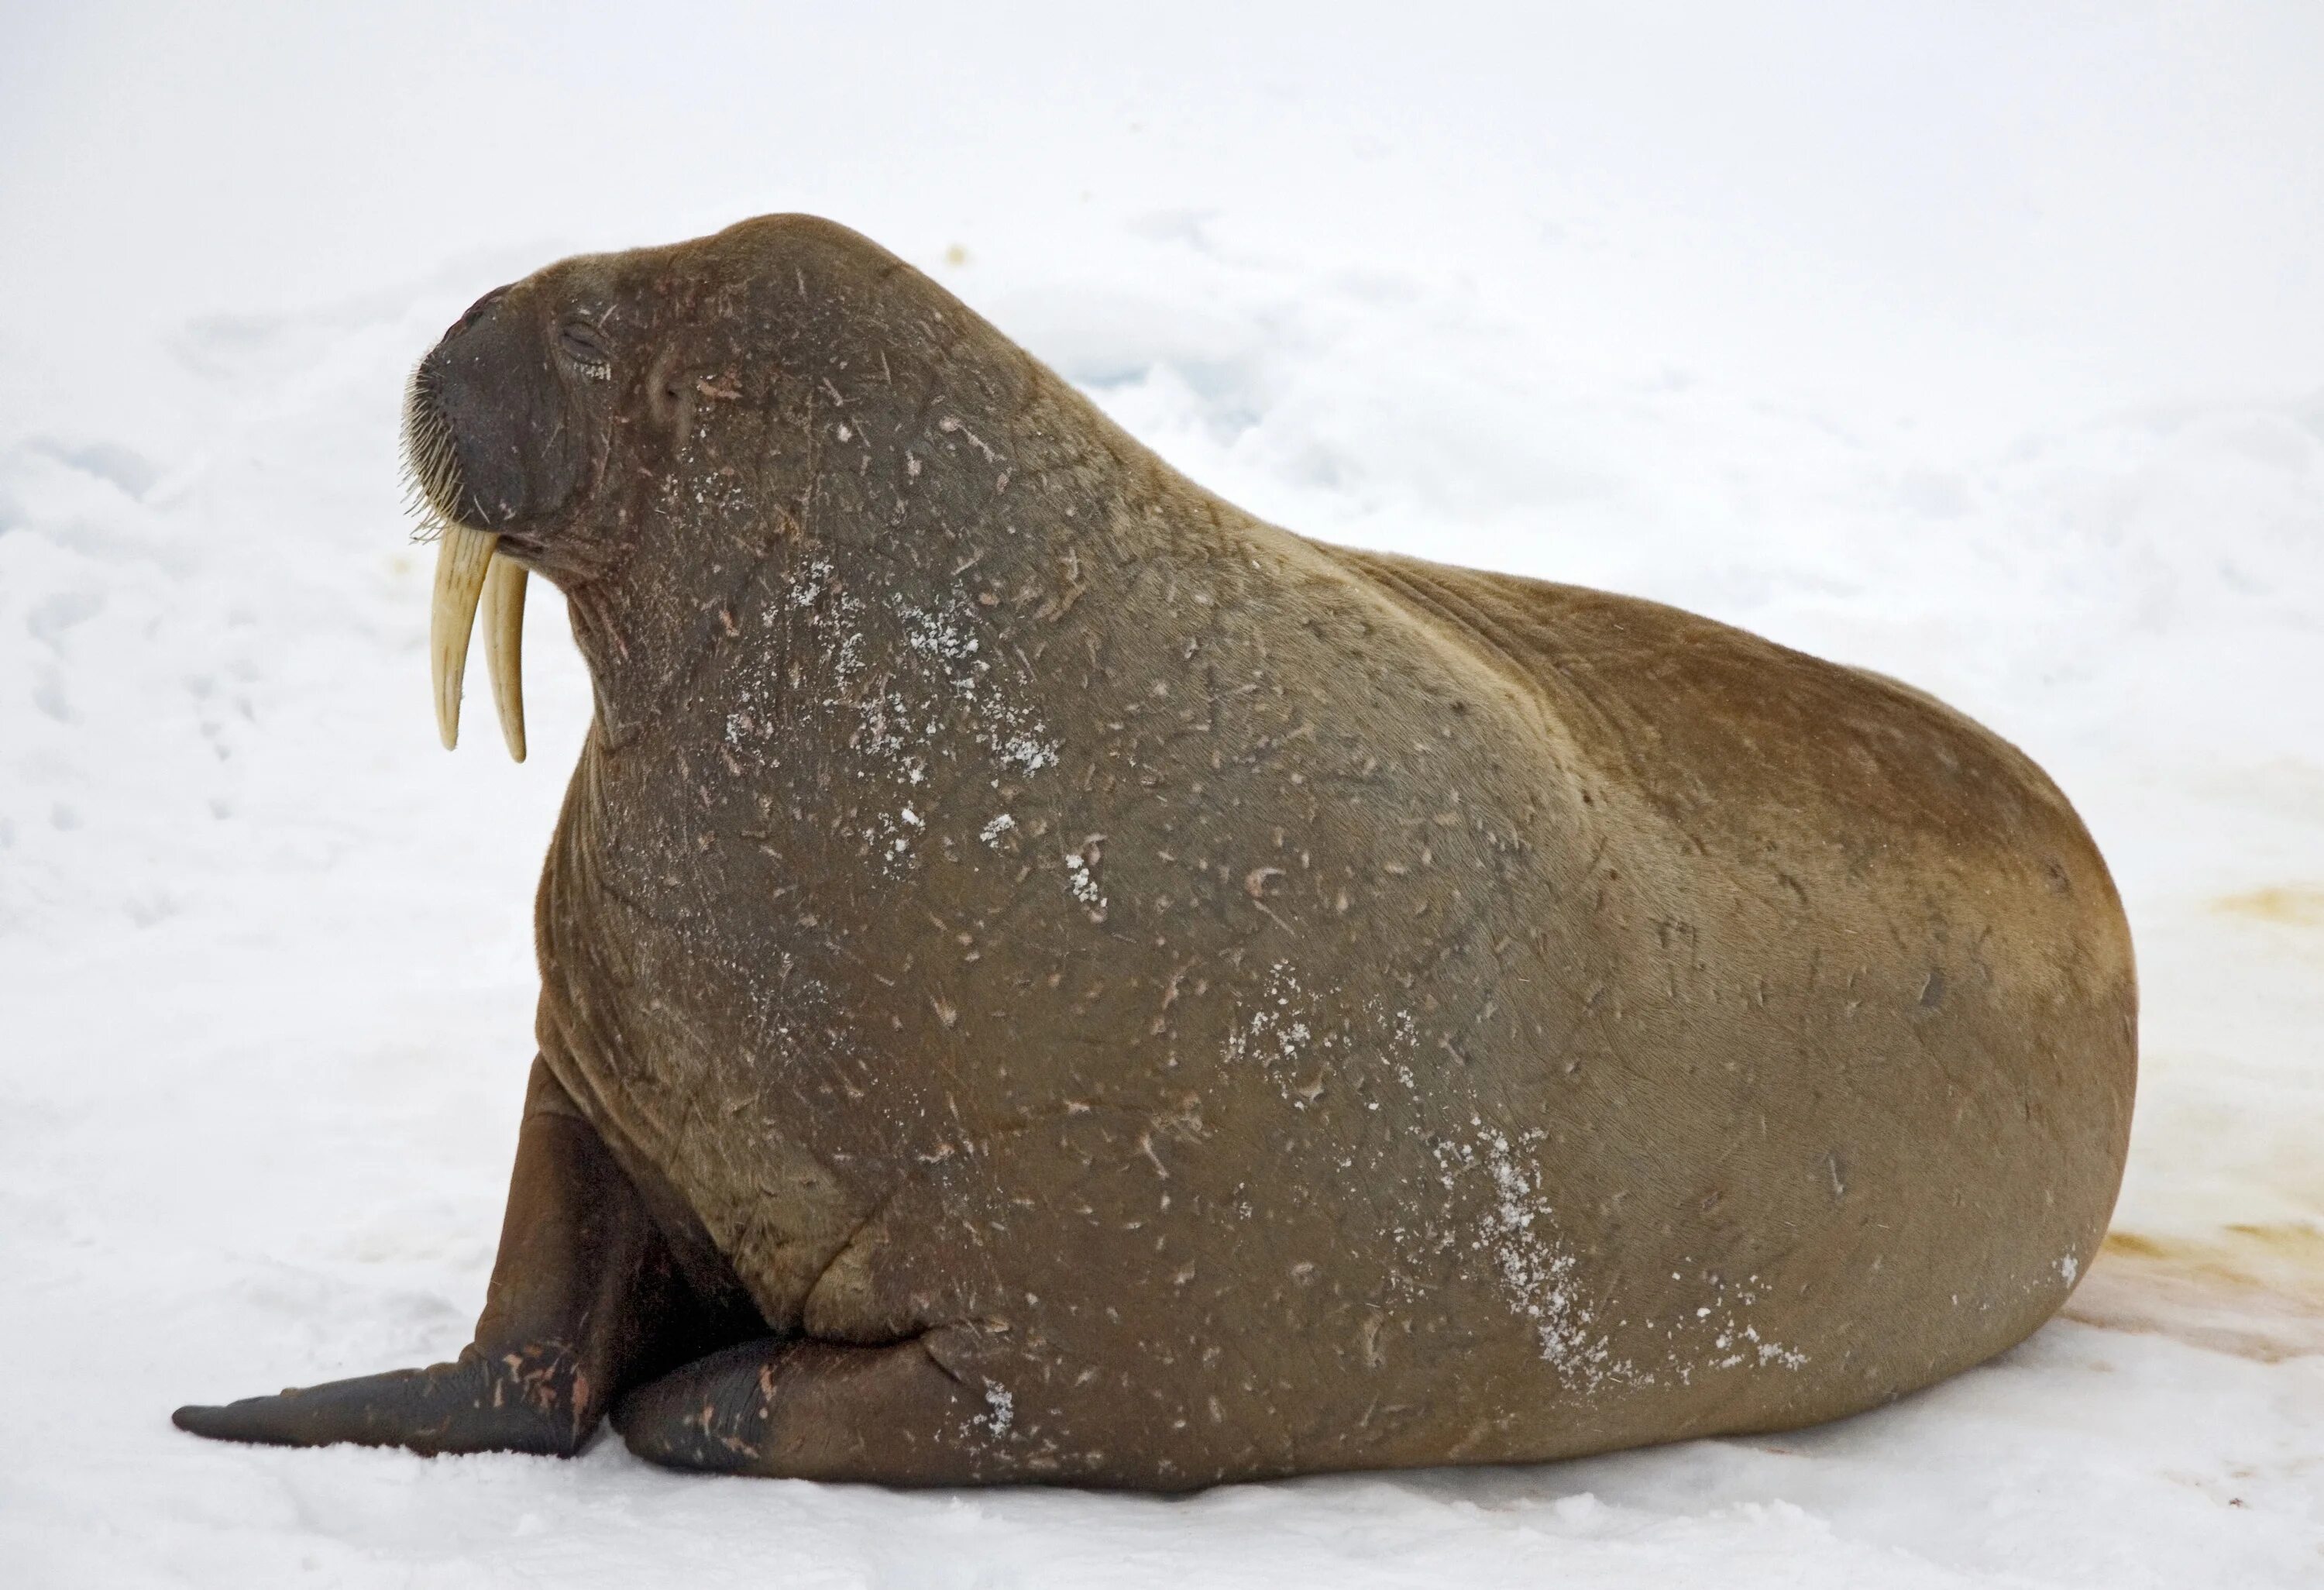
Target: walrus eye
[{"x": 581, "y": 344}]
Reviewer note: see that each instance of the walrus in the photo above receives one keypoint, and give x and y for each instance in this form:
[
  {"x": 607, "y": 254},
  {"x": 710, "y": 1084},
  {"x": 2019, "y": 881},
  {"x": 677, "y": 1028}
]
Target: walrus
[{"x": 1046, "y": 977}]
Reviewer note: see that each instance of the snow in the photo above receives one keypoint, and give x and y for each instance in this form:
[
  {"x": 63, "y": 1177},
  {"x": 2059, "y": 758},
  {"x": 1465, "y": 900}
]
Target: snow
[{"x": 1984, "y": 350}]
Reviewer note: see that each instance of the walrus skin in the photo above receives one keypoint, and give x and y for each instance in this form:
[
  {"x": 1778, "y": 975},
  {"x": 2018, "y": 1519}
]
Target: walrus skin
[{"x": 1046, "y": 977}]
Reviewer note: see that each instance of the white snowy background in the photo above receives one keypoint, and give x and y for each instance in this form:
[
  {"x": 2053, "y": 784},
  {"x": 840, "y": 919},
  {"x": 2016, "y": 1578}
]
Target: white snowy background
[{"x": 1981, "y": 344}]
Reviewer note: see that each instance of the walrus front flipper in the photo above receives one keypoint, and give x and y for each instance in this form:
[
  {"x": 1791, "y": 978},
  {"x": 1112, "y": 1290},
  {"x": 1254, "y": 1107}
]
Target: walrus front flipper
[
  {"x": 794, "y": 1408},
  {"x": 584, "y": 1297},
  {"x": 524, "y": 1403}
]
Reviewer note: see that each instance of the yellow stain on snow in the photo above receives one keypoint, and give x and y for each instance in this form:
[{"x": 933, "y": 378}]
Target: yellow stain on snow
[
  {"x": 2296, "y": 905},
  {"x": 2253, "y": 1290}
]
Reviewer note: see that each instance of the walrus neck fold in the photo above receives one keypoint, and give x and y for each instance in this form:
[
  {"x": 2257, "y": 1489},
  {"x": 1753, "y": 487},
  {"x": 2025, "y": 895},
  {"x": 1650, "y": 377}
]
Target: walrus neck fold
[{"x": 636, "y": 665}]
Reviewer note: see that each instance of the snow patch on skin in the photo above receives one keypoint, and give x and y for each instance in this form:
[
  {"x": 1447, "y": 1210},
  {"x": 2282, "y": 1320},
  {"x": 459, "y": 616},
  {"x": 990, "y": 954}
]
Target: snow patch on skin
[
  {"x": 992, "y": 831},
  {"x": 1083, "y": 884},
  {"x": 1025, "y": 752},
  {"x": 1280, "y": 1036},
  {"x": 2070, "y": 1268},
  {"x": 1538, "y": 1273},
  {"x": 1000, "y": 1413},
  {"x": 941, "y": 696},
  {"x": 942, "y": 634},
  {"x": 1733, "y": 1338},
  {"x": 1777, "y": 1354},
  {"x": 1009, "y": 730},
  {"x": 1081, "y": 876},
  {"x": 805, "y": 595},
  {"x": 1519, "y": 1234}
]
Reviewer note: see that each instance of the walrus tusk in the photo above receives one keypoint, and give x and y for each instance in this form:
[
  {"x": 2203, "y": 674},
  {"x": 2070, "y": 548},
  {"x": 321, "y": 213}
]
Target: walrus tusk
[
  {"x": 461, "y": 558},
  {"x": 504, "y": 585}
]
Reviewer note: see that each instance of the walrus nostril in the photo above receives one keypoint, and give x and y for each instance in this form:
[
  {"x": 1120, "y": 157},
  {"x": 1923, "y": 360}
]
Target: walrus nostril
[{"x": 475, "y": 312}]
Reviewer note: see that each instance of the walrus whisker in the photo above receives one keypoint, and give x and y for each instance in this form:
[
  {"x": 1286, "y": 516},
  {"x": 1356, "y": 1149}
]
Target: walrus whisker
[{"x": 431, "y": 462}]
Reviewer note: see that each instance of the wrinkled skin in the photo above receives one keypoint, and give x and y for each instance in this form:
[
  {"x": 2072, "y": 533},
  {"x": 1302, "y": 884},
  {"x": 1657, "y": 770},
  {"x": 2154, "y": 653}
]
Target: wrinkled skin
[{"x": 1046, "y": 977}]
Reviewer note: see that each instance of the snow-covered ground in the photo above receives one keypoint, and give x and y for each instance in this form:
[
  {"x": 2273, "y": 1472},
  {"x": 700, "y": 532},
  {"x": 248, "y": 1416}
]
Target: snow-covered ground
[{"x": 1983, "y": 348}]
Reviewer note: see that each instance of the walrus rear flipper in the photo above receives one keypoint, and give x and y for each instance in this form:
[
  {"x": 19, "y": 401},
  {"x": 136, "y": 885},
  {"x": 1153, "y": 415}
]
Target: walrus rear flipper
[
  {"x": 584, "y": 1301},
  {"x": 799, "y": 1408}
]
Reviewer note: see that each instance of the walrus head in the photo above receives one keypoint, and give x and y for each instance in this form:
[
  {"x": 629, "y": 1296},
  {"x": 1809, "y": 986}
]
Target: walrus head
[{"x": 674, "y": 434}]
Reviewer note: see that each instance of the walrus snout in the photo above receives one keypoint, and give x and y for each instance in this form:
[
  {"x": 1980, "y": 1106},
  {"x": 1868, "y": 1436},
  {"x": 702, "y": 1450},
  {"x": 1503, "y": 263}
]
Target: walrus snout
[
  {"x": 493, "y": 444},
  {"x": 491, "y": 398}
]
